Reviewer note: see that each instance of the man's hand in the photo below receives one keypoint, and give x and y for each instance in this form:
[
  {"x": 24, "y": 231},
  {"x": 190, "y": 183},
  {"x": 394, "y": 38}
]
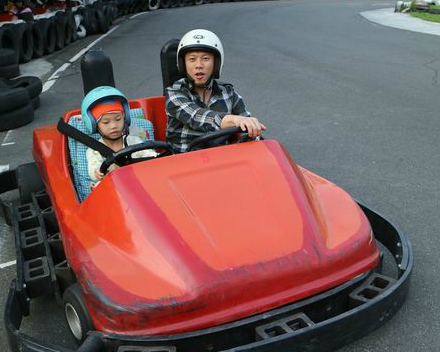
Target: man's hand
[{"x": 249, "y": 124}]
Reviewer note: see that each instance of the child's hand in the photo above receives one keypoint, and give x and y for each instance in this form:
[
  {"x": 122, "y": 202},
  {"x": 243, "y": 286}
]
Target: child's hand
[{"x": 99, "y": 175}]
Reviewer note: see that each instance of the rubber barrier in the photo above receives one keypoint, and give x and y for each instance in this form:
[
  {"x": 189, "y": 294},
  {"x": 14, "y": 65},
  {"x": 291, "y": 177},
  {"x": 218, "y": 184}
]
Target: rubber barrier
[
  {"x": 37, "y": 41},
  {"x": 26, "y": 42},
  {"x": 11, "y": 99},
  {"x": 32, "y": 84},
  {"x": 17, "y": 118},
  {"x": 8, "y": 40},
  {"x": 7, "y": 57},
  {"x": 49, "y": 31},
  {"x": 9, "y": 71}
]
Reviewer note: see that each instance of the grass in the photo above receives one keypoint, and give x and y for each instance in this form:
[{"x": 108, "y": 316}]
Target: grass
[{"x": 427, "y": 16}]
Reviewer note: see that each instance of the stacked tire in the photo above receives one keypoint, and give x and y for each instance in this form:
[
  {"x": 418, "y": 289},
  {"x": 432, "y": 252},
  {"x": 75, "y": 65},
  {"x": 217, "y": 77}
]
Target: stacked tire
[
  {"x": 9, "y": 52},
  {"x": 18, "y": 100}
]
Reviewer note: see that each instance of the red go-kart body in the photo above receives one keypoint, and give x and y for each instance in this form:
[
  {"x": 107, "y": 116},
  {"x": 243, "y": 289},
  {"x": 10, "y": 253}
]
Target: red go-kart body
[{"x": 200, "y": 239}]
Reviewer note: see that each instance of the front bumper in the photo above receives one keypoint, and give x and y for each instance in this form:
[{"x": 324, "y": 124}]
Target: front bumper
[{"x": 323, "y": 322}]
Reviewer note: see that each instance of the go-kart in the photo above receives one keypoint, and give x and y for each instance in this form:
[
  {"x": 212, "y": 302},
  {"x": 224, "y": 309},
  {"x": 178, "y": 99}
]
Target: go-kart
[{"x": 232, "y": 248}]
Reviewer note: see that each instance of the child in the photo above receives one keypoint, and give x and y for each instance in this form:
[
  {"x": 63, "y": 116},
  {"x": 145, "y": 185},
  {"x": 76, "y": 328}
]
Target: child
[{"x": 105, "y": 110}]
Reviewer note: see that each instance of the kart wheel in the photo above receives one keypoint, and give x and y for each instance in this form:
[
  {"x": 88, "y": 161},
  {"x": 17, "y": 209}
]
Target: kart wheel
[
  {"x": 29, "y": 181},
  {"x": 76, "y": 313}
]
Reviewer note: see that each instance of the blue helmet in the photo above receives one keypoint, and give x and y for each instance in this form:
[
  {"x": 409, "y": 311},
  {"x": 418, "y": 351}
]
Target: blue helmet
[{"x": 97, "y": 95}]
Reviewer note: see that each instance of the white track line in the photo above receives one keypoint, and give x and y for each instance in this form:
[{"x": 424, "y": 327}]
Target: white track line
[
  {"x": 52, "y": 79},
  {"x": 138, "y": 14},
  {"x": 5, "y": 265},
  {"x": 5, "y": 140}
]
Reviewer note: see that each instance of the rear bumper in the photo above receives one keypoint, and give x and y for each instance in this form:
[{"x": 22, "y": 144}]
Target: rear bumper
[{"x": 320, "y": 323}]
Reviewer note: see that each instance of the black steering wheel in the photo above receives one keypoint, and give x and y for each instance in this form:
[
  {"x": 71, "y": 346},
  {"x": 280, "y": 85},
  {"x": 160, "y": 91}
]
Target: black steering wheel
[
  {"x": 224, "y": 132},
  {"x": 123, "y": 156}
]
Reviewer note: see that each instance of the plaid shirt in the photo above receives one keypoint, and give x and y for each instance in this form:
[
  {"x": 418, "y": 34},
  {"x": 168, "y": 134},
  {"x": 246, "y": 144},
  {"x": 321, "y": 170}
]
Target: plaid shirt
[{"x": 188, "y": 117}]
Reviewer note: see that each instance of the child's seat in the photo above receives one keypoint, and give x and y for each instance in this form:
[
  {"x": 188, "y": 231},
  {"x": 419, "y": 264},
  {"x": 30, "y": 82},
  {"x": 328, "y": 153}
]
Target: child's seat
[{"x": 144, "y": 129}]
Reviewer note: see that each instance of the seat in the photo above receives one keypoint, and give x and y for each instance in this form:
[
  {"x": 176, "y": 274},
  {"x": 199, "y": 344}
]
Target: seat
[
  {"x": 168, "y": 63},
  {"x": 77, "y": 150}
]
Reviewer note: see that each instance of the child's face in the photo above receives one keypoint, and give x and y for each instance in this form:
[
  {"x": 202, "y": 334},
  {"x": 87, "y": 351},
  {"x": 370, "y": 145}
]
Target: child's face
[
  {"x": 111, "y": 125},
  {"x": 199, "y": 66}
]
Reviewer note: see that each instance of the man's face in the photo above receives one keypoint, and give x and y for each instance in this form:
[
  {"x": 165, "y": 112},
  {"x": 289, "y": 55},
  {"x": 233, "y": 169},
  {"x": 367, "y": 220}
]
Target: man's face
[{"x": 199, "y": 66}]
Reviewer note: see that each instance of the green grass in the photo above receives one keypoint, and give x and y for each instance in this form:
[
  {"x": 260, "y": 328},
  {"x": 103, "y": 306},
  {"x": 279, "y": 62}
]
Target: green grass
[{"x": 426, "y": 16}]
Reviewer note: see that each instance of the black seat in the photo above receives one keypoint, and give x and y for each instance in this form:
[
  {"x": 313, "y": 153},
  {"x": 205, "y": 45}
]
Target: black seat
[{"x": 168, "y": 63}]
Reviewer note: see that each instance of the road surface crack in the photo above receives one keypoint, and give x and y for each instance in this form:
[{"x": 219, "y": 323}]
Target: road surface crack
[{"x": 435, "y": 78}]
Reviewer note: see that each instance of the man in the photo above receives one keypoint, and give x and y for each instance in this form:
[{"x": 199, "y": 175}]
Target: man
[{"x": 199, "y": 104}]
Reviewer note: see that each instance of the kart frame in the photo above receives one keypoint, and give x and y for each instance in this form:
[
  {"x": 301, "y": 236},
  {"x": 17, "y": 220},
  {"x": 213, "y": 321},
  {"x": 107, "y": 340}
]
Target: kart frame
[{"x": 355, "y": 308}]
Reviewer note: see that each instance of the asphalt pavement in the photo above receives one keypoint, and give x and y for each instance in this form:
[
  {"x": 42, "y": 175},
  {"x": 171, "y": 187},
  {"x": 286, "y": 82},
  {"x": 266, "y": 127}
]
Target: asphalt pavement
[{"x": 351, "y": 97}]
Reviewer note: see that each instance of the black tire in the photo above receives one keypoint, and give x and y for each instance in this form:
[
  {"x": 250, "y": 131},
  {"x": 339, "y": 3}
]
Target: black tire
[
  {"x": 12, "y": 98},
  {"x": 37, "y": 40},
  {"x": 198, "y": 2},
  {"x": 103, "y": 25},
  {"x": 8, "y": 40},
  {"x": 60, "y": 25},
  {"x": 36, "y": 102},
  {"x": 165, "y": 4},
  {"x": 72, "y": 24},
  {"x": 9, "y": 71},
  {"x": 26, "y": 42},
  {"x": 29, "y": 181},
  {"x": 76, "y": 314},
  {"x": 94, "y": 28},
  {"x": 49, "y": 31},
  {"x": 16, "y": 118},
  {"x": 181, "y": 3},
  {"x": 174, "y": 3},
  {"x": 32, "y": 84},
  {"x": 7, "y": 57},
  {"x": 108, "y": 13},
  {"x": 86, "y": 21},
  {"x": 153, "y": 5}
]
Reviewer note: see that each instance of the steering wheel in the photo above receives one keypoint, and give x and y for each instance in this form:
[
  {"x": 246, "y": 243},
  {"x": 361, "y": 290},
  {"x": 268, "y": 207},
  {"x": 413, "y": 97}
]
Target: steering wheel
[
  {"x": 224, "y": 132},
  {"x": 123, "y": 156}
]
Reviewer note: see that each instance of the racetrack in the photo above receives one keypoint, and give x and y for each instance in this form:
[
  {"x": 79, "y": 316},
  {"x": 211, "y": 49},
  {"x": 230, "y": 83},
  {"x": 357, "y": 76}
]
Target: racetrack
[{"x": 353, "y": 101}]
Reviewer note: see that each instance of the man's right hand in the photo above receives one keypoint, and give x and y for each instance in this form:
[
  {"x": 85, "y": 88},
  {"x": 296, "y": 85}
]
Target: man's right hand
[{"x": 249, "y": 124}]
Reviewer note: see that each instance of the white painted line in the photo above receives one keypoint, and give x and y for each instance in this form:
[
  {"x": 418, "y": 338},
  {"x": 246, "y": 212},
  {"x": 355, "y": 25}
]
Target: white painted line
[
  {"x": 83, "y": 51},
  {"x": 52, "y": 79},
  {"x": 5, "y": 265},
  {"x": 8, "y": 135},
  {"x": 138, "y": 14},
  {"x": 4, "y": 167},
  {"x": 63, "y": 67},
  {"x": 9, "y": 143},
  {"x": 47, "y": 85}
]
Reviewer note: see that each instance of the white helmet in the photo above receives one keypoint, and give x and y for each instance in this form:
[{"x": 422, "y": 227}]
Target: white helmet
[{"x": 204, "y": 40}]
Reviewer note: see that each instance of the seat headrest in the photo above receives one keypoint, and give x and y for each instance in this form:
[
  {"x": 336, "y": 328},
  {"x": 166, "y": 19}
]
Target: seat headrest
[{"x": 168, "y": 62}]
